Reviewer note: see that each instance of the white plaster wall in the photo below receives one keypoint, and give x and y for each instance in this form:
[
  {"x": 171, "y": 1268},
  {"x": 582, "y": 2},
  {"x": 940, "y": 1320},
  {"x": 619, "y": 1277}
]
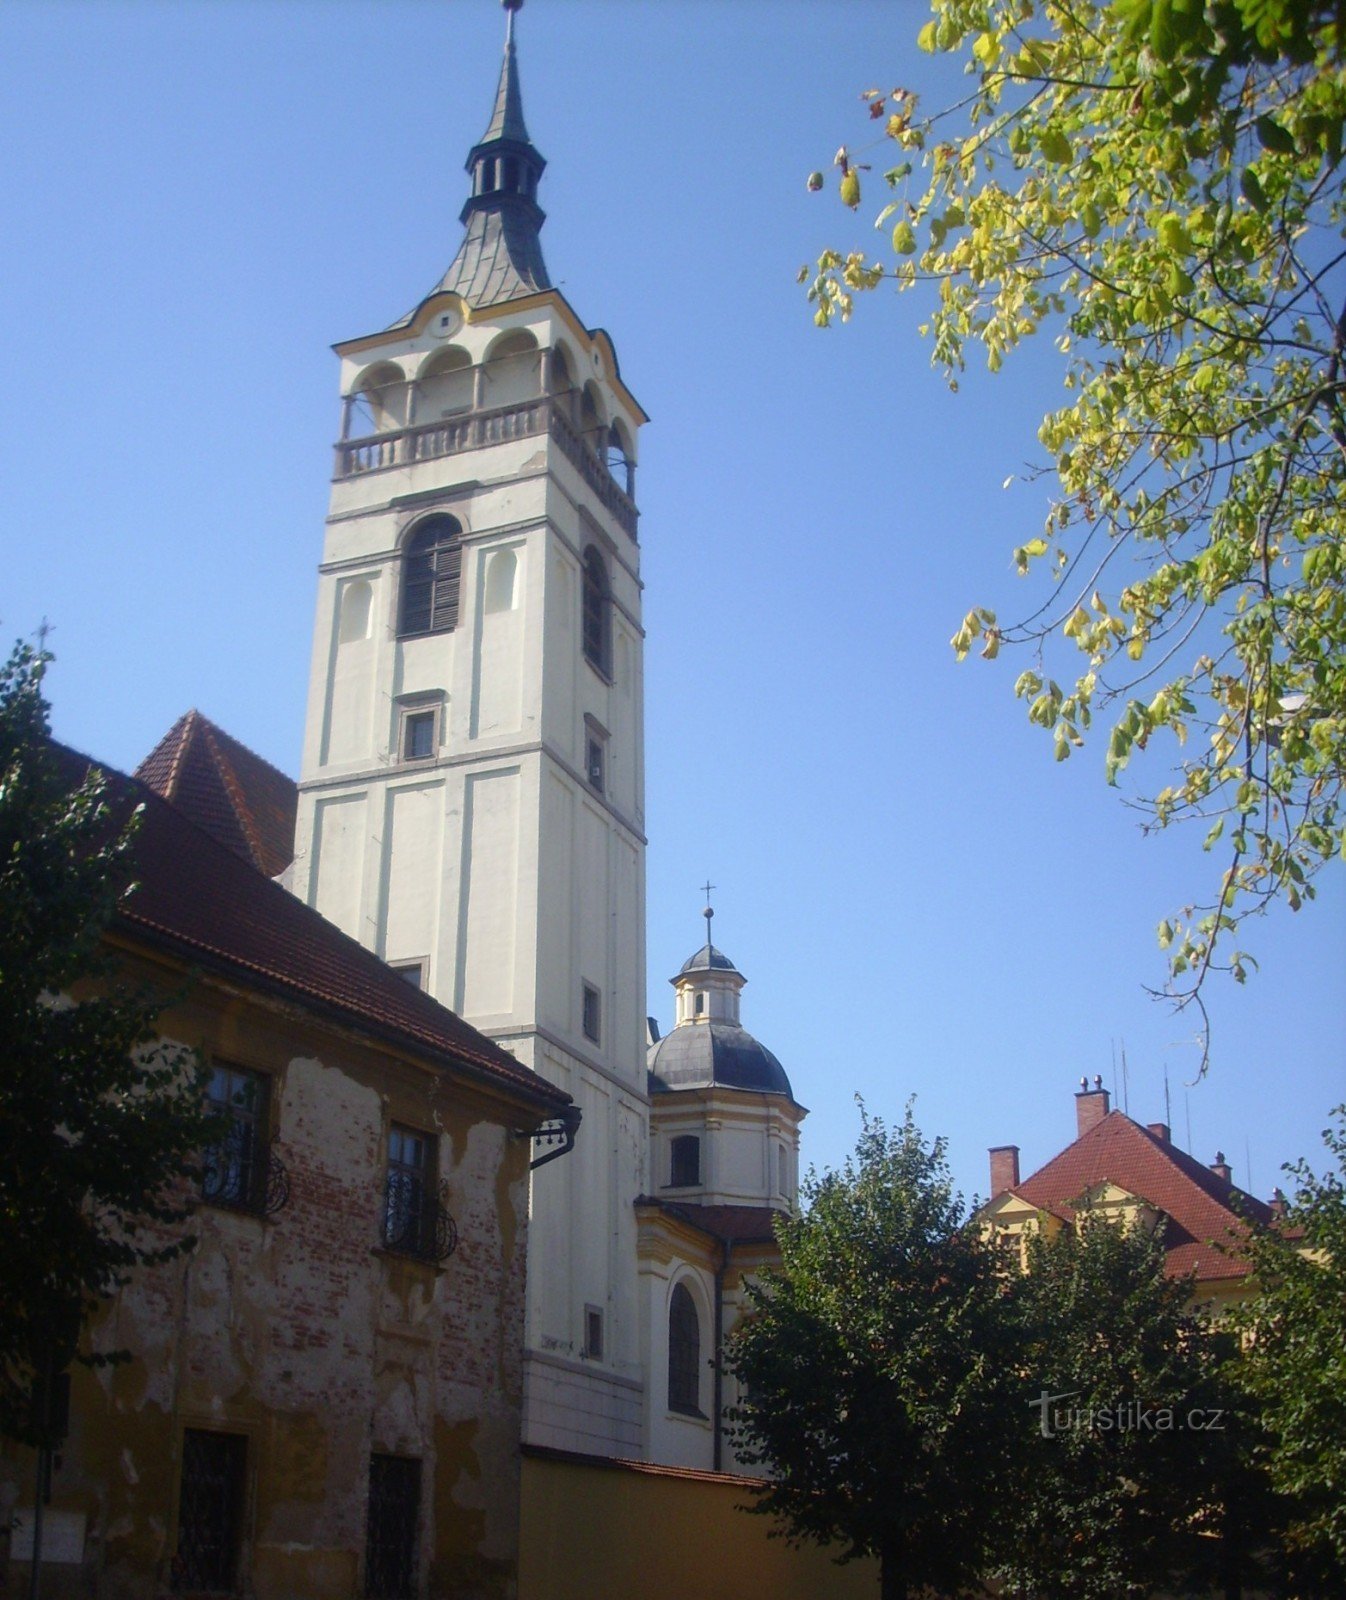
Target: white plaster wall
[{"x": 496, "y": 859}]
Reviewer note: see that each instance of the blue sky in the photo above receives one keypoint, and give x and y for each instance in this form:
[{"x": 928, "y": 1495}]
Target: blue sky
[{"x": 201, "y": 198}]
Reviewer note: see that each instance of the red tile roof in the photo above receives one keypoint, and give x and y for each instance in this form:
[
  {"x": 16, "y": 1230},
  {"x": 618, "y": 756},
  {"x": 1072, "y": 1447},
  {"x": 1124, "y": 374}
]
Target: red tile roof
[
  {"x": 729, "y": 1224},
  {"x": 197, "y": 899},
  {"x": 1202, "y": 1208},
  {"x": 239, "y": 799}
]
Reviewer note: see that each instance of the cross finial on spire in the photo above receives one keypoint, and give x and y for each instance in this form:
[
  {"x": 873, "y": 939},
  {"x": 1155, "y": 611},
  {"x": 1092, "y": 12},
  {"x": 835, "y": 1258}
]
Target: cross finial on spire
[
  {"x": 708, "y": 913},
  {"x": 511, "y": 6}
]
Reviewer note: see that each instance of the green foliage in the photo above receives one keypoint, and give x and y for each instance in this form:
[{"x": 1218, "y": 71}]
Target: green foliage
[
  {"x": 1074, "y": 1429},
  {"x": 1296, "y": 1362},
  {"x": 99, "y": 1123},
  {"x": 1119, "y": 1473},
  {"x": 1158, "y": 183},
  {"x": 870, "y": 1370}
]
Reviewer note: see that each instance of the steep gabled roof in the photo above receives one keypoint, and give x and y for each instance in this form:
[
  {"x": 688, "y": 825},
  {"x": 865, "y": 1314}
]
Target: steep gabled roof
[
  {"x": 238, "y": 798},
  {"x": 1203, "y": 1209},
  {"x": 198, "y": 900}
]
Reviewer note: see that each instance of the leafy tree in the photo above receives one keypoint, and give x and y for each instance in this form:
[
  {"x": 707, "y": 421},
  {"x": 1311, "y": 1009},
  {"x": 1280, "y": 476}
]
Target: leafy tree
[
  {"x": 1296, "y": 1364},
  {"x": 1137, "y": 1450},
  {"x": 1158, "y": 183},
  {"x": 871, "y": 1370},
  {"x": 99, "y": 1123}
]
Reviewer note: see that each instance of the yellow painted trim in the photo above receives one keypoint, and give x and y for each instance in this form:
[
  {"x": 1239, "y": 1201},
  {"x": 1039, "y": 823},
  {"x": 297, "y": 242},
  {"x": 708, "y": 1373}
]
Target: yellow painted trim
[{"x": 589, "y": 338}]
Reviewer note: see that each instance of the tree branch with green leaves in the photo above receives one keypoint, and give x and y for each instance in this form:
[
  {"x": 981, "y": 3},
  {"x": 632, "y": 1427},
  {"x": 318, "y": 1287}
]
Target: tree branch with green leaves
[{"x": 1156, "y": 185}]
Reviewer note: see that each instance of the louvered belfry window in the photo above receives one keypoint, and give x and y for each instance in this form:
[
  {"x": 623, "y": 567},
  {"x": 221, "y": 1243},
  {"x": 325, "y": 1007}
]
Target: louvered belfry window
[{"x": 432, "y": 570}]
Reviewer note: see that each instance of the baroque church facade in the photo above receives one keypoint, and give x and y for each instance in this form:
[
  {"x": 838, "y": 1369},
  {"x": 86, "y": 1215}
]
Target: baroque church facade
[{"x": 471, "y": 809}]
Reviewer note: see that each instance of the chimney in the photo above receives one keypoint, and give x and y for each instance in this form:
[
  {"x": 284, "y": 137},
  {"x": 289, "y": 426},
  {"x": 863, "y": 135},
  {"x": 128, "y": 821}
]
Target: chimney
[
  {"x": 1220, "y": 1167},
  {"x": 1278, "y": 1206},
  {"x": 1004, "y": 1168},
  {"x": 1091, "y": 1105},
  {"x": 1161, "y": 1131}
]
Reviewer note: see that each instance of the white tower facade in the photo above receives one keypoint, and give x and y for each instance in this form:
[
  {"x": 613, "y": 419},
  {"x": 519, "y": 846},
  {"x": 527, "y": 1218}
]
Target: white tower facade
[{"x": 472, "y": 794}]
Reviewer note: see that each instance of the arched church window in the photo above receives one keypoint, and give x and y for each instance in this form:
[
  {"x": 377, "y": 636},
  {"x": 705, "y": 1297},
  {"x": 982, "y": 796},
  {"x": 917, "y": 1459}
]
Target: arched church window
[
  {"x": 432, "y": 568},
  {"x": 685, "y": 1170},
  {"x": 684, "y": 1354},
  {"x": 596, "y": 605}
]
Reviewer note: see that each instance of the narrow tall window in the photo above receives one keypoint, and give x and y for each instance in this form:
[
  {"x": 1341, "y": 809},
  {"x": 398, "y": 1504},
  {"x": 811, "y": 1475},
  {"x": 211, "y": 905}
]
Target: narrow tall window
[
  {"x": 685, "y": 1171},
  {"x": 210, "y": 1511},
  {"x": 591, "y": 1013},
  {"x": 432, "y": 569},
  {"x": 408, "y": 1208},
  {"x": 233, "y": 1169},
  {"x": 684, "y": 1354},
  {"x": 392, "y": 1528},
  {"x": 596, "y": 626}
]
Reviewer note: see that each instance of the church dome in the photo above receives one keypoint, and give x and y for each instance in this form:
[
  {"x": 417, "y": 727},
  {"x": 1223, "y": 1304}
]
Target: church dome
[
  {"x": 707, "y": 959},
  {"x": 708, "y": 1055}
]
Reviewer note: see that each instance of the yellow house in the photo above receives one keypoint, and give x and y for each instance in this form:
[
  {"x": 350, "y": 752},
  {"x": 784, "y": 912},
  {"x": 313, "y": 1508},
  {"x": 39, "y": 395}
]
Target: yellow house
[{"x": 1134, "y": 1173}]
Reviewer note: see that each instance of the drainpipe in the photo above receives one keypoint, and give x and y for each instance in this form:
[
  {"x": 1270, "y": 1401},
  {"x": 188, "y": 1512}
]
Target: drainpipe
[{"x": 727, "y": 1250}]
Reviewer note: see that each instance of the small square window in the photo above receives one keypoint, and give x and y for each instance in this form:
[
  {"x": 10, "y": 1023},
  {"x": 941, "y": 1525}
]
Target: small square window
[
  {"x": 593, "y": 1333},
  {"x": 591, "y": 1013},
  {"x": 595, "y": 763},
  {"x": 413, "y": 972},
  {"x": 419, "y": 735}
]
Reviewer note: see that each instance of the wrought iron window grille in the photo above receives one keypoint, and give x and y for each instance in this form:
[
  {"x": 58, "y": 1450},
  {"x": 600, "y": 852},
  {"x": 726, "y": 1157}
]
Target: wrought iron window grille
[
  {"x": 392, "y": 1528},
  {"x": 210, "y": 1513},
  {"x": 243, "y": 1177},
  {"x": 416, "y": 1222}
]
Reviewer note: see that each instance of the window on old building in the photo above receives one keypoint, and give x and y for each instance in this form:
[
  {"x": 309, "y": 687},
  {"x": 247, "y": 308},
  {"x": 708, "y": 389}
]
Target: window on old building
[
  {"x": 684, "y": 1354},
  {"x": 596, "y": 759},
  {"x": 409, "y": 1203},
  {"x": 685, "y": 1171},
  {"x": 420, "y": 734},
  {"x": 233, "y": 1169},
  {"x": 591, "y": 1013},
  {"x": 596, "y": 605},
  {"x": 432, "y": 569},
  {"x": 210, "y": 1512},
  {"x": 392, "y": 1528},
  {"x": 593, "y": 1333}
]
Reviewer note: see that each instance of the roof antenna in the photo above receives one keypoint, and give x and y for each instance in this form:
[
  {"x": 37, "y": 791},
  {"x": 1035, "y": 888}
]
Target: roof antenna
[{"x": 1168, "y": 1110}]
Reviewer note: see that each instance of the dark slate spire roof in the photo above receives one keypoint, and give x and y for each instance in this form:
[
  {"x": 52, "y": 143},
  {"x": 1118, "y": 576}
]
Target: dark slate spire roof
[
  {"x": 507, "y": 117},
  {"x": 500, "y": 257}
]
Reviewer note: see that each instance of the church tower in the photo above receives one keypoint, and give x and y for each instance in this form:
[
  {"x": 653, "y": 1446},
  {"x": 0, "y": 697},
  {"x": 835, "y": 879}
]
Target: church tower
[{"x": 472, "y": 797}]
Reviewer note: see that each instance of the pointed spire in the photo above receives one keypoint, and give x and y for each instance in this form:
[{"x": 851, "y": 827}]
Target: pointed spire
[
  {"x": 500, "y": 257},
  {"x": 507, "y": 117}
]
